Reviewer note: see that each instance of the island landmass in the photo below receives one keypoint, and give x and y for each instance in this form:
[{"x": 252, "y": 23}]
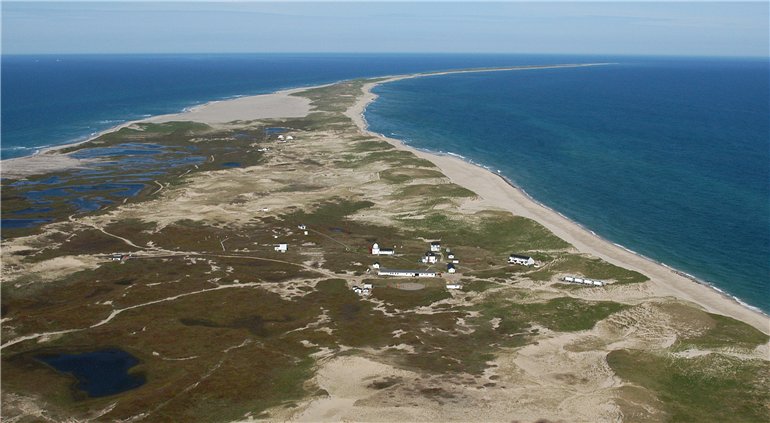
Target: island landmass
[{"x": 269, "y": 258}]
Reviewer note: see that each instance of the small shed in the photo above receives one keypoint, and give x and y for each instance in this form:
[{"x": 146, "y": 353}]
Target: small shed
[{"x": 281, "y": 248}]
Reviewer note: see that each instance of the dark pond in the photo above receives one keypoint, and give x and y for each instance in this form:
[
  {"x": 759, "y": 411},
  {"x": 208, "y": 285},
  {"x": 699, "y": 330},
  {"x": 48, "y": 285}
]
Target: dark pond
[
  {"x": 99, "y": 373},
  {"x": 21, "y": 223}
]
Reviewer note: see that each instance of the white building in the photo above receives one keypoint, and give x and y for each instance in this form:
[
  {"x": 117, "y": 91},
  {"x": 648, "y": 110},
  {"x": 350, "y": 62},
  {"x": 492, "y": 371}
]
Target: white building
[
  {"x": 301, "y": 227},
  {"x": 450, "y": 268},
  {"x": 523, "y": 260},
  {"x": 430, "y": 257},
  {"x": 376, "y": 265},
  {"x": 280, "y": 138},
  {"x": 289, "y": 138},
  {"x": 435, "y": 246},
  {"x": 454, "y": 286},
  {"x": 583, "y": 281},
  {"x": 450, "y": 256},
  {"x": 407, "y": 273},
  {"x": 281, "y": 248},
  {"x": 377, "y": 251},
  {"x": 367, "y": 285}
]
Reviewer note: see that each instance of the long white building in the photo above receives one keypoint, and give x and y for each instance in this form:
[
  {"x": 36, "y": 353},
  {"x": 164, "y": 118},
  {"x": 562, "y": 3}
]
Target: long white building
[{"x": 407, "y": 273}]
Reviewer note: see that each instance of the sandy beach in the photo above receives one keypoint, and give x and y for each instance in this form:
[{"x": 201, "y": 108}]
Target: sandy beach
[{"x": 496, "y": 192}]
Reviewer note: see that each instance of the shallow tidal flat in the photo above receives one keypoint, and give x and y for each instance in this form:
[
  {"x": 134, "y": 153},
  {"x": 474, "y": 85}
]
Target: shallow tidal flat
[{"x": 224, "y": 328}]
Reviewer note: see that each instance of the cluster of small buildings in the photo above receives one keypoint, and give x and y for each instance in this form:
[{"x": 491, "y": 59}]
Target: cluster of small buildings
[
  {"x": 584, "y": 281},
  {"x": 282, "y": 248},
  {"x": 282, "y": 138},
  {"x": 364, "y": 290},
  {"x": 430, "y": 257}
]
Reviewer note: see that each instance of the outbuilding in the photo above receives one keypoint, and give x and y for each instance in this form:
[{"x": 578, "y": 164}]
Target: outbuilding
[
  {"x": 281, "y": 248},
  {"x": 435, "y": 246}
]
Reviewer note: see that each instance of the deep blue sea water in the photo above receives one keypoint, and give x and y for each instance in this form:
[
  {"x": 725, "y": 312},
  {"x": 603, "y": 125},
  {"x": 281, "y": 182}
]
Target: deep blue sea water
[
  {"x": 51, "y": 100},
  {"x": 668, "y": 157}
]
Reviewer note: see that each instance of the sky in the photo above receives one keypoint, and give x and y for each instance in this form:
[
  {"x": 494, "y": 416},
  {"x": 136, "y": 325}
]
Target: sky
[{"x": 575, "y": 27}]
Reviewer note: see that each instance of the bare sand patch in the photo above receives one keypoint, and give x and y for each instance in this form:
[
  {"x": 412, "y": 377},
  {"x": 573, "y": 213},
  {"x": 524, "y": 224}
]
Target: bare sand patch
[{"x": 267, "y": 106}]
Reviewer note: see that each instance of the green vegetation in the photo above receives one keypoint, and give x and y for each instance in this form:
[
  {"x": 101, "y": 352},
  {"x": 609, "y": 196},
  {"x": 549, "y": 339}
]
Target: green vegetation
[
  {"x": 404, "y": 299},
  {"x": 434, "y": 191},
  {"x": 562, "y": 314},
  {"x": 724, "y": 332},
  {"x": 396, "y": 158},
  {"x": 401, "y": 175},
  {"x": 497, "y": 232},
  {"x": 477, "y": 285},
  {"x": 714, "y": 387},
  {"x": 333, "y": 98}
]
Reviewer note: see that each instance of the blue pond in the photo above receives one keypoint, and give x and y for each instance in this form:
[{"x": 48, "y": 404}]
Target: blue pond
[{"x": 99, "y": 373}]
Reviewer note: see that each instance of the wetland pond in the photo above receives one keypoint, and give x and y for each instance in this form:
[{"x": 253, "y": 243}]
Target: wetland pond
[{"x": 99, "y": 373}]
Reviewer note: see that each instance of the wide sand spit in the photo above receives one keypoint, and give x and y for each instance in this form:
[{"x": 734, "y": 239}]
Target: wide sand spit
[{"x": 491, "y": 188}]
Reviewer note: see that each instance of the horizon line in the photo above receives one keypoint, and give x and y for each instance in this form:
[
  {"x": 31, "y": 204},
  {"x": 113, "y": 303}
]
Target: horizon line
[{"x": 662, "y": 55}]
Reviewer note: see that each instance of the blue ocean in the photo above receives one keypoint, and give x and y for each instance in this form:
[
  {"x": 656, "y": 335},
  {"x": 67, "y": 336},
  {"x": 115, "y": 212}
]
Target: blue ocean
[
  {"x": 668, "y": 157},
  {"x": 52, "y": 100}
]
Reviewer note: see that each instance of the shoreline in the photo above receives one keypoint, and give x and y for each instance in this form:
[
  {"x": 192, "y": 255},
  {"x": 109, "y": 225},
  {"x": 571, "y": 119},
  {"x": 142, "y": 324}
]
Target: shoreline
[
  {"x": 43, "y": 150},
  {"x": 665, "y": 280},
  {"x": 494, "y": 188},
  {"x": 48, "y": 159}
]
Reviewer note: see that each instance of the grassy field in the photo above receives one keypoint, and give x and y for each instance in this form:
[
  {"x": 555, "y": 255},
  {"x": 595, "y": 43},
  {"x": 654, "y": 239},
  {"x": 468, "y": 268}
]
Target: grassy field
[{"x": 712, "y": 388}]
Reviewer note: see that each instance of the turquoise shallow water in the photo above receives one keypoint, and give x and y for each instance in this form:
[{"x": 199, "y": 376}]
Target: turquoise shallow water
[{"x": 667, "y": 157}]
